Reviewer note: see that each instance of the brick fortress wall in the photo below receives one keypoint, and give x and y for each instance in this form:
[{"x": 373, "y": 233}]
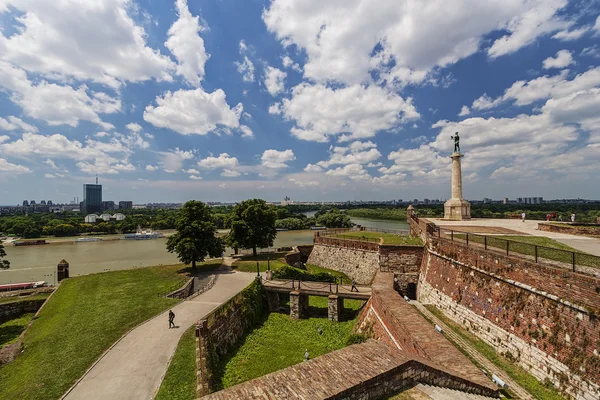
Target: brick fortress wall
[
  {"x": 357, "y": 264},
  {"x": 545, "y": 318}
]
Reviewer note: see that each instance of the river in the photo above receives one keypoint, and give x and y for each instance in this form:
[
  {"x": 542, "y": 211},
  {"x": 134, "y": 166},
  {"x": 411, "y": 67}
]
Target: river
[{"x": 38, "y": 263}]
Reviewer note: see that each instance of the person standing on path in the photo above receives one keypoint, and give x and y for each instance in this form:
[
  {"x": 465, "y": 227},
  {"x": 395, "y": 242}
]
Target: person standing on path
[
  {"x": 573, "y": 217},
  {"x": 171, "y": 319},
  {"x": 523, "y": 217},
  {"x": 353, "y": 288}
]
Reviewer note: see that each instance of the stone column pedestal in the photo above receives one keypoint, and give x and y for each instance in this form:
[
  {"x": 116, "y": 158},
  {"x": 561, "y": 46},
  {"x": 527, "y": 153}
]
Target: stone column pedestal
[
  {"x": 298, "y": 304},
  {"x": 457, "y": 208},
  {"x": 335, "y": 305}
]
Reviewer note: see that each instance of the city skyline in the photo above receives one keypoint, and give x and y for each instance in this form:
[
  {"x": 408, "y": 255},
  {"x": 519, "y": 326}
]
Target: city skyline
[{"x": 233, "y": 100}]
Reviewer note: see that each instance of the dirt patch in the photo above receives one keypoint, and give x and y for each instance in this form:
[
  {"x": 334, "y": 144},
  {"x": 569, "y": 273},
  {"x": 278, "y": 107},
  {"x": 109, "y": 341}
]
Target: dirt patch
[{"x": 483, "y": 229}]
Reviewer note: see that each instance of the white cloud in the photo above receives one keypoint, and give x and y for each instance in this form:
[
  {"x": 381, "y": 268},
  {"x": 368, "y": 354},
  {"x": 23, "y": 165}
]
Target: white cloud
[
  {"x": 339, "y": 37},
  {"x": 193, "y": 112},
  {"x": 355, "y": 172},
  {"x": 275, "y": 109},
  {"x": 56, "y": 104},
  {"x": 303, "y": 183},
  {"x": 289, "y": 63},
  {"x": 246, "y": 131},
  {"x": 569, "y": 35},
  {"x": 5, "y": 166},
  {"x": 151, "y": 168},
  {"x": 134, "y": 127},
  {"x": 223, "y": 161},
  {"x": 186, "y": 44},
  {"x": 356, "y": 111},
  {"x": 49, "y": 176},
  {"x": 277, "y": 159},
  {"x": 101, "y": 134},
  {"x": 195, "y": 177},
  {"x": 246, "y": 68},
  {"x": 230, "y": 173},
  {"x": 173, "y": 160},
  {"x": 355, "y": 153},
  {"x": 464, "y": 111},
  {"x": 191, "y": 171},
  {"x": 90, "y": 40},
  {"x": 597, "y": 24},
  {"x": 274, "y": 80},
  {"x": 562, "y": 59},
  {"x": 313, "y": 168},
  {"x": 12, "y": 123}
]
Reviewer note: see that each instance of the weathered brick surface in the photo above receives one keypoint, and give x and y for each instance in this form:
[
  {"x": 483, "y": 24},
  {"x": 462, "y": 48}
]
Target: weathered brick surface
[
  {"x": 360, "y": 265},
  {"x": 363, "y": 371},
  {"x": 394, "y": 321},
  {"x": 400, "y": 259},
  {"x": 566, "y": 228},
  {"x": 550, "y": 338},
  {"x": 14, "y": 310}
]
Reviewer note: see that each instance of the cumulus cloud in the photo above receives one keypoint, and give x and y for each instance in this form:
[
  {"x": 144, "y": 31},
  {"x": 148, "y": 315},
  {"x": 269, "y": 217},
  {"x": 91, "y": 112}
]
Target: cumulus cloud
[
  {"x": 464, "y": 111},
  {"x": 224, "y": 160},
  {"x": 289, "y": 63},
  {"x": 5, "y": 166},
  {"x": 134, "y": 127},
  {"x": 245, "y": 67},
  {"x": 356, "y": 172},
  {"x": 246, "y": 131},
  {"x": 312, "y": 168},
  {"x": 187, "y": 45},
  {"x": 56, "y": 104},
  {"x": 195, "y": 177},
  {"x": 275, "y": 159},
  {"x": 274, "y": 80},
  {"x": 562, "y": 59},
  {"x": 151, "y": 168},
  {"x": 356, "y": 153},
  {"x": 173, "y": 160},
  {"x": 192, "y": 112},
  {"x": 91, "y": 40},
  {"x": 570, "y": 35},
  {"x": 356, "y": 111},
  {"x": 12, "y": 123},
  {"x": 383, "y": 34}
]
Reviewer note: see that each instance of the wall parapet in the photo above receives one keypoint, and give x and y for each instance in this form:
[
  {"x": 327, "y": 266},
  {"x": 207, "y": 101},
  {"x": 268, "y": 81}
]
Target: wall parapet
[
  {"x": 581, "y": 230},
  {"x": 347, "y": 243}
]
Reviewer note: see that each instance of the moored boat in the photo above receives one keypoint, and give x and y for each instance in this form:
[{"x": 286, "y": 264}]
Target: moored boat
[
  {"x": 30, "y": 242},
  {"x": 88, "y": 239}
]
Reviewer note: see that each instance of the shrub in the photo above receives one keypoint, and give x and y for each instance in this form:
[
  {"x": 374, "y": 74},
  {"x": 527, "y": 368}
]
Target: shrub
[{"x": 356, "y": 338}]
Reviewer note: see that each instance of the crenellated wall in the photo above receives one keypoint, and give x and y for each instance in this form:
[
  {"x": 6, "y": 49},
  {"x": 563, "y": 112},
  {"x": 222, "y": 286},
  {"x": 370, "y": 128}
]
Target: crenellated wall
[{"x": 544, "y": 317}]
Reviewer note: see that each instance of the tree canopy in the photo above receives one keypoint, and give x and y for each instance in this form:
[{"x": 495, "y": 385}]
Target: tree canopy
[
  {"x": 4, "y": 264},
  {"x": 252, "y": 225},
  {"x": 195, "y": 237}
]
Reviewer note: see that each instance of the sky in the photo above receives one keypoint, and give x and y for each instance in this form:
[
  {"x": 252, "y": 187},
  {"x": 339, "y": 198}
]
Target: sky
[{"x": 222, "y": 100}]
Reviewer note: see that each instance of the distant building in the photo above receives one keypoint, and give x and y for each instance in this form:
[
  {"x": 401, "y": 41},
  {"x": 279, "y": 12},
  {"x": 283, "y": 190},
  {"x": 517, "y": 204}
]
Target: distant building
[
  {"x": 108, "y": 205},
  {"x": 506, "y": 200},
  {"x": 43, "y": 202},
  {"x": 125, "y": 205},
  {"x": 105, "y": 217},
  {"x": 90, "y": 219},
  {"x": 92, "y": 198},
  {"x": 25, "y": 203},
  {"x": 287, "y": 201},
  {"x": 32, "y": 203}
]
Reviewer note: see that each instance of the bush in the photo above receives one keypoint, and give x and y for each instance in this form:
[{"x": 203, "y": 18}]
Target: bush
[
  {"x": 288, "y": 272},
  {"x": 356, "y": 338}
]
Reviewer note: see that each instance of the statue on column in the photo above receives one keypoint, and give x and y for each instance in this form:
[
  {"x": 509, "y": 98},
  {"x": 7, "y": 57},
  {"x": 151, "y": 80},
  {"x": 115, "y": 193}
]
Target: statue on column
[{"x": 456, "y": 143}]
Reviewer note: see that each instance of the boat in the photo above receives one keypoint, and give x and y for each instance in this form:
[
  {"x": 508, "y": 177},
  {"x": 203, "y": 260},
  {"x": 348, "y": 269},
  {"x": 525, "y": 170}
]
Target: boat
[
  {"x": 141, "y": 234},
  {"x": 30, "y": 242},
  {"x": 88, "y": 239},
  {"x": 318, "y": 228},
  {"x": 281, "y": 229}
]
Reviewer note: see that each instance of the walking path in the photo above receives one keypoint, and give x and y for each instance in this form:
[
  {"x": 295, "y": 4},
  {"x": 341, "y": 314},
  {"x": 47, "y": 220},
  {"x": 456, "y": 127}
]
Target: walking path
[
  {"x": 586, "y": 244},
  {"x": 474, "y": 354},
  {"x": 135, "y": 366}
]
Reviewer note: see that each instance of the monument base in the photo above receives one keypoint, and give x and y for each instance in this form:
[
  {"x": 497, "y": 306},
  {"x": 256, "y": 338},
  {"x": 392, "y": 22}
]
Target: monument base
[{"x": 457, "y": 210}]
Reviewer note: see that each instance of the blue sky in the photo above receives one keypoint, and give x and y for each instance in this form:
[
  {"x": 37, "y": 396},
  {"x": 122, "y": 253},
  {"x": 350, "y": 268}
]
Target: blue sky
[{"x": 335, "y": 100}]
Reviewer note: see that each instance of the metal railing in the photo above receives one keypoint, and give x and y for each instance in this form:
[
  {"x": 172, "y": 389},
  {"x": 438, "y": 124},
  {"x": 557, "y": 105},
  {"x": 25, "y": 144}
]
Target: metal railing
[{"x": 573, "y": 260}]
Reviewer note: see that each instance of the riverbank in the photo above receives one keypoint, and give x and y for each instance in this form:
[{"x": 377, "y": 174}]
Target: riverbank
[{"x": 71, "y": 239}]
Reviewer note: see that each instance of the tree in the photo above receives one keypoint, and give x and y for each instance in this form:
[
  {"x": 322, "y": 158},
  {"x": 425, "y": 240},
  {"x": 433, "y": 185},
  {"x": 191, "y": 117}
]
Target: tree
[
  {"x": 4, "y": 264},
  {"x": 195, "y": 237},
  {"x": 334, "y": 219},
  {"x": 252, "y": 225}
]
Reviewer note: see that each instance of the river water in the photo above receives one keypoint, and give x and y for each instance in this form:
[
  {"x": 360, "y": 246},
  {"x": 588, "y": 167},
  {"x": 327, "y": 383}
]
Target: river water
[{"x": 38, "y": 263}]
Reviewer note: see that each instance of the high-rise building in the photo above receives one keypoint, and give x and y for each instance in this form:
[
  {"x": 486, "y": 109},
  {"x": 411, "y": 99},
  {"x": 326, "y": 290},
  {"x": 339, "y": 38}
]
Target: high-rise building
[
  {"x": 108, "y": 205},
  {"x": 92, "y": 197},
  {"x": 49, "y": 202},
  {"x": 43, "y": 202},
  {"x": 506, "y": 200},
  {"x": 125, "y": 205},
  {"x": 25, "y": 203},
  {"x": 32, "y": 203}
]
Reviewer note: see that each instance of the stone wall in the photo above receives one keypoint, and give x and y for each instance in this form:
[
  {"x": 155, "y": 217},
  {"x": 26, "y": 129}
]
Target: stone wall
[
  {"x": 400, "y": 259},
  {"x": 300, "y": 254},
  {"x": 524, "y": 311},
  {"x": 580, "y": 229},
  {"x": 14, "y": 310},
  {"x": 184, "y": 292},
  {"x": 360, "y": 265},
  {"x": 221, "y": 330}
]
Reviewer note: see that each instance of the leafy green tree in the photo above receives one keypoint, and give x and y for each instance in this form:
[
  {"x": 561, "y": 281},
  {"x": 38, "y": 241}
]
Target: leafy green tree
[
  {"x": 334, "y": 219},
  {"x": 4, "y": 264},
  {"x": 252, "y": 225},
  {"x": 195, "y": 237}
]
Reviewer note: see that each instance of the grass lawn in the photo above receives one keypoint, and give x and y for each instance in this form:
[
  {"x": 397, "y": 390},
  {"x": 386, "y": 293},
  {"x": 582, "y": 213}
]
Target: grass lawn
[
  {"x": 280, "y": 342},
  {"x": 83, "y": 318},
  {"x": 388, "y": 238},
  {"x": 248, "y": 263},
  {"x": 10, "y": 330},
  {"x": 550, "y": 250},
  {"x": 527, "y": 381},
  {"x": 14, "y": 299},
  {"x": 180, "y": 379}
]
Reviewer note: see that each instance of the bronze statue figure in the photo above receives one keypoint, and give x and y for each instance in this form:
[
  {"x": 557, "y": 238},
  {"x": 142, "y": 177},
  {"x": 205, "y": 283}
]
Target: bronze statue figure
[{"x": 456, "y": 143}]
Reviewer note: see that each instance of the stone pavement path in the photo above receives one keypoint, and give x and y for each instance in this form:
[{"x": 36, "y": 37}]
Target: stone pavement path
[
  {"x": 135, "y": 366},
  {"x": 474, "y": 354},
  {"x": 582, "y": 243}
]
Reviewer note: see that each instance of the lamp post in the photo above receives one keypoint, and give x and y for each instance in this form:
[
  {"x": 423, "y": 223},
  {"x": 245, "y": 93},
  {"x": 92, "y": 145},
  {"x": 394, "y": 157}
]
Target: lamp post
[
  {"x": 268, "y": 263},
  {"x": 257, "y": 270}
]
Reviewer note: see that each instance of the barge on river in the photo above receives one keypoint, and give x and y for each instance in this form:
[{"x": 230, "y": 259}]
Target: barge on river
[{"x": 29, "y": 242}]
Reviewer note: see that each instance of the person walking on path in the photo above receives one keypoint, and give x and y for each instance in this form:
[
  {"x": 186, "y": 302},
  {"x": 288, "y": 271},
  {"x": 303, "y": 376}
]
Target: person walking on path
[
  {"x": 573, "y": 217},
  {"x": 523, "y": 216},
  {"x": 353, "y": 288},
  {"x": 171, "y": 319}
]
